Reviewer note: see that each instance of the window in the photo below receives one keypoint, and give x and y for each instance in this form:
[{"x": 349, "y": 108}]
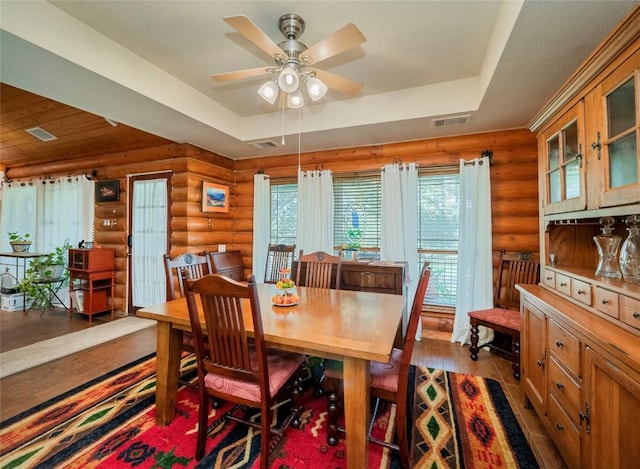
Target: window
[
  {"x": 284, "y": 213},
  {"x": 356, "y": 221},
  {"x": 357, "y": 204},
  {"x": 438, "y": 222},
  {"x": 52, "y": 211}
]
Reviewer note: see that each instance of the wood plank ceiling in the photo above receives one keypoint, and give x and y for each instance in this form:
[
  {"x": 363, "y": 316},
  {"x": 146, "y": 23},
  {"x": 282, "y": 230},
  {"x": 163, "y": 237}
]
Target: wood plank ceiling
[{"x": 80, "y": 134}]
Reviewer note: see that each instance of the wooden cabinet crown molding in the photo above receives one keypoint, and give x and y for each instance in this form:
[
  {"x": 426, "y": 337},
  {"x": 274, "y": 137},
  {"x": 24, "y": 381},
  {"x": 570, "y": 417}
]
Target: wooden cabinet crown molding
[{"x": 614, "y": 44}]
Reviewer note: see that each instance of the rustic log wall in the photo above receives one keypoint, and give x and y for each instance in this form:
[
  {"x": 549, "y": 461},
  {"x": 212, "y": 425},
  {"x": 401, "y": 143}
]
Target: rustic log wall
[
  {"x": 190, "y": 229},
  {"x": 513, "y": 177}
]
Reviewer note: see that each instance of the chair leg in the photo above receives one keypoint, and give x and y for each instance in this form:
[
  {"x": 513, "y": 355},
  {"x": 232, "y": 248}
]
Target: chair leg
[
  {"x": 296, "y": 407},
  {"x": 265, "y": 436},
  {"x": 473, "y": 348},
  {"x": 401, "y": 428},
  {"x": 203, "y": 413},
  {"x": 331, "y": 388},
  {"x": 516, "y": 357}
]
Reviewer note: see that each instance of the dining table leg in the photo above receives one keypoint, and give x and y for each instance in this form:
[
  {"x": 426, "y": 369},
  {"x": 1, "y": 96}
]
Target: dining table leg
[
  {"x": 356, "y": 411},
  {"x": 168, "y": 352}
]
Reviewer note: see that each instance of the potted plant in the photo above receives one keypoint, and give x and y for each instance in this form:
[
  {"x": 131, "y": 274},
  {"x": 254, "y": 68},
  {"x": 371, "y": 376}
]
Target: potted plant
[
  {"x": 19, "y": 242},
  {"x": 45, "y": 275}
]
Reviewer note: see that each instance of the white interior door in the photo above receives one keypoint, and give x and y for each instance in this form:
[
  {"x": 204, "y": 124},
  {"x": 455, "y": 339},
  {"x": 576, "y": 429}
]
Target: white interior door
[{"x": 148, "y": 239}]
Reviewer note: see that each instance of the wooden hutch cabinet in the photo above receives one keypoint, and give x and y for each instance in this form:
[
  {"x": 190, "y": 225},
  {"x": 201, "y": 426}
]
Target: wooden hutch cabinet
[
  {"x": 580, "y": 336},
  {"x": 91, "y": 280}
]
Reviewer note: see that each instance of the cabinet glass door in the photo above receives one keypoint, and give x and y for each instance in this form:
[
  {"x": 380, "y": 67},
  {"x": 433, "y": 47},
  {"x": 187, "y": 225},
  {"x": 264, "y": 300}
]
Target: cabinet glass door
[
  {"x": 619, "y": 147},
  {"x": 565, "y": 189}
]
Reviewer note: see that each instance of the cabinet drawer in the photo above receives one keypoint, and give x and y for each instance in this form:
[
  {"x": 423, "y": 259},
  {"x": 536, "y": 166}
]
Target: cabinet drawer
[
  {"x": 564, "y": 434},
  {"x": 565, "y": 390},
  {"x": 563, "y": 284},
  {"x": 581, "y": 291},
  {"x": 630, "y": 311},
  {"x": 566, "y": 347},
  {"x": 606, "y": 302},
  {"x": 549, "y": 278}
]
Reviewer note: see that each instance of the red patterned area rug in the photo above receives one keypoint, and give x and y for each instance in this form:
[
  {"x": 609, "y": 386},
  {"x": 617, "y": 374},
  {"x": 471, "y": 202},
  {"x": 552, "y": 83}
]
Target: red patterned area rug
[
  {"x": 109, "y": 423},
  {"x": 464, "y": 421}
]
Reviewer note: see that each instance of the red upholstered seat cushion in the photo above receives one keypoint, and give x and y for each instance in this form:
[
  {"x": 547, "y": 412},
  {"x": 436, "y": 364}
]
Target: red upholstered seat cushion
[
  {"x": 506, "y": 318},
  {"x": 282, "y": 365},
  {"x": 383, "y": 375}
]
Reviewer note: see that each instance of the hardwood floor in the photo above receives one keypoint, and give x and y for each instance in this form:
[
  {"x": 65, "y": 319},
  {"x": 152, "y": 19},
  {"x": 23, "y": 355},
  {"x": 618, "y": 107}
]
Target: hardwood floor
[{"x": 24, "y": 390}]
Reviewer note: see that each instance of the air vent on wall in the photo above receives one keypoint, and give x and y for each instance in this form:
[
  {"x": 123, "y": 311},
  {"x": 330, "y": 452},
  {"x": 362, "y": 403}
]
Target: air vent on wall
[
  {"x": 453, "y": 121},
  {"x": 41, "y": 134},
  {"x": 263, "y": 144}
]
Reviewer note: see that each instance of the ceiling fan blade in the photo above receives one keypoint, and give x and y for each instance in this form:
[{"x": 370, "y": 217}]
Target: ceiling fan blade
[
  {"x": 338, "y": 83},
  {"x": 248, "y": 29},
  {"x": 345, "y": 38},
  {"x": 240, "y": 74}
]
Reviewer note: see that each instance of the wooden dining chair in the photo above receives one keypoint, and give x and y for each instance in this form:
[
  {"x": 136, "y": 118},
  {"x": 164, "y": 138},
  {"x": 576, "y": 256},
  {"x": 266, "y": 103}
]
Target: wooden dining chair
[
  {"x": 234, "y": 368},
  {"x": 198, "y": 266},
  {"x": 278, "y": 256},
  {"x": 317, "y": 270},
  {"x": 389, "y": 381},
  {"x": 504, "y": 318}
]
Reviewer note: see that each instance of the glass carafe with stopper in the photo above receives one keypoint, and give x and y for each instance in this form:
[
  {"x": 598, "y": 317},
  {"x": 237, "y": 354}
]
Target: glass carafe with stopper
[
  {"x": 630, "y": 251},
  {"x": 608, "y": 245}
]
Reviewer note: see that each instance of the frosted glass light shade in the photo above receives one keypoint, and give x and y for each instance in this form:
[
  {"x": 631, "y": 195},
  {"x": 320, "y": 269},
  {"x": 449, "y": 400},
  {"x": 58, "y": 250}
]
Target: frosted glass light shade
[
  {"x": 269, "y": 91},
  {"x": 295, "y": 100},
  {"x": 288, "y": 80},
  {"x": 316, "y": 88}
]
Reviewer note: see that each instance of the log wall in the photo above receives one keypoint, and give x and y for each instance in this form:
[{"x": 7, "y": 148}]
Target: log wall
[
  {"x": 514, "y": 193},
  {"x": 514, "y": 179}
]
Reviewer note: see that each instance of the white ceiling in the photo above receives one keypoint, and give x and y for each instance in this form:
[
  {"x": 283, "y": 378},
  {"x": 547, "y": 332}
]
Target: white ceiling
[{"x": 147, "y": 64}]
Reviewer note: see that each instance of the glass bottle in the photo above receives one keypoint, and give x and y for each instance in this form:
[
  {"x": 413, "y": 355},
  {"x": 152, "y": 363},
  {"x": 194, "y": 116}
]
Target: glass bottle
[
  {"x": 608, "y": 245},
  {"x": 630, "y": 252}
]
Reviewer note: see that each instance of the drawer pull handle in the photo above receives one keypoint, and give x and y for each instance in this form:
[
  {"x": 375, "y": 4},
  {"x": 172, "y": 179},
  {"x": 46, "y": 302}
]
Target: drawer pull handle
[
  {"x": 559, "y": 344},
  {"x": 636, "y": 314},
  {"x": 560, "y": 385},
  {"x": 559, "y": 426},
  {"x": 563, "y": 284},
  {"x": 605, "y": 302},
  {"x": 581, "y": 292},
  {"x": 549, "y": 278}
]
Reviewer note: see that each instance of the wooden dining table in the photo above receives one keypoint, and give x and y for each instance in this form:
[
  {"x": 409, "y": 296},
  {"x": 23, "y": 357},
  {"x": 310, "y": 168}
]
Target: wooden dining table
[{"x": 353, "y": 326}]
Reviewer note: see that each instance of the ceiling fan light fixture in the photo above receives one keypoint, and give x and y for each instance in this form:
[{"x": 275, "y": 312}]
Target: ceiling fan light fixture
[
  {"x": 295, "y": 100},
  {"x": 269, "y": 91},
  {"x": 288, "y": 79},
  {"x": 316, "y": 88}
]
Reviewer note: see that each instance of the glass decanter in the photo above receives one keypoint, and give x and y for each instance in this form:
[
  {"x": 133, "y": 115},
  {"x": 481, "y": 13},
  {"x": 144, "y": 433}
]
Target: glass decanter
[
  {"x": 608, "y": 245},
  {"x": 630, "y": 251}
]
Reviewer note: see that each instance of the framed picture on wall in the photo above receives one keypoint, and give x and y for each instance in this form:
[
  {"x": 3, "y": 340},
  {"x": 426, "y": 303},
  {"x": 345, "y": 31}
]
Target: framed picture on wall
[
  {"x": 215, "y": 197},
  {"x": 108, "y": 191}
]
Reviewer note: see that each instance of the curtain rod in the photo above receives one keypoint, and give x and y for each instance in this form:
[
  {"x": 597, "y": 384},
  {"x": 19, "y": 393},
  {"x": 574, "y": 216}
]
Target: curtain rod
[{"x": 483, "y": 154}]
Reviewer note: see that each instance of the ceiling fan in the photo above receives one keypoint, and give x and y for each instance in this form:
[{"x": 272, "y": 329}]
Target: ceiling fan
[{"x": 294, "y": 62}]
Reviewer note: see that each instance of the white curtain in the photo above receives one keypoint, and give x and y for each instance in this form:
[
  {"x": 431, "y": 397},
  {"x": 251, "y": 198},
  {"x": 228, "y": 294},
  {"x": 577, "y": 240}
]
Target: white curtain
[
  {"x": 53, "y": 212},
  {"x": 149, "y": 241},
  {"x": 315, "y": 211},
  {"x": 18, "y": 213},
  {"x": 261, "y": 224},
  {"x": 475, "y": 270},
  {"x": 398, "y": 230}
]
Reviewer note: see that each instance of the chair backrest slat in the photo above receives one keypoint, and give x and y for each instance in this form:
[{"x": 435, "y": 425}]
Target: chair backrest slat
[
  {"x": 278, "y": 256},
  {"x": 515, "y": 268},
  {"x": 227, "y": 348},
  {"x": 318, "y": 268},
  {"x": 197, "y": 265}
]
